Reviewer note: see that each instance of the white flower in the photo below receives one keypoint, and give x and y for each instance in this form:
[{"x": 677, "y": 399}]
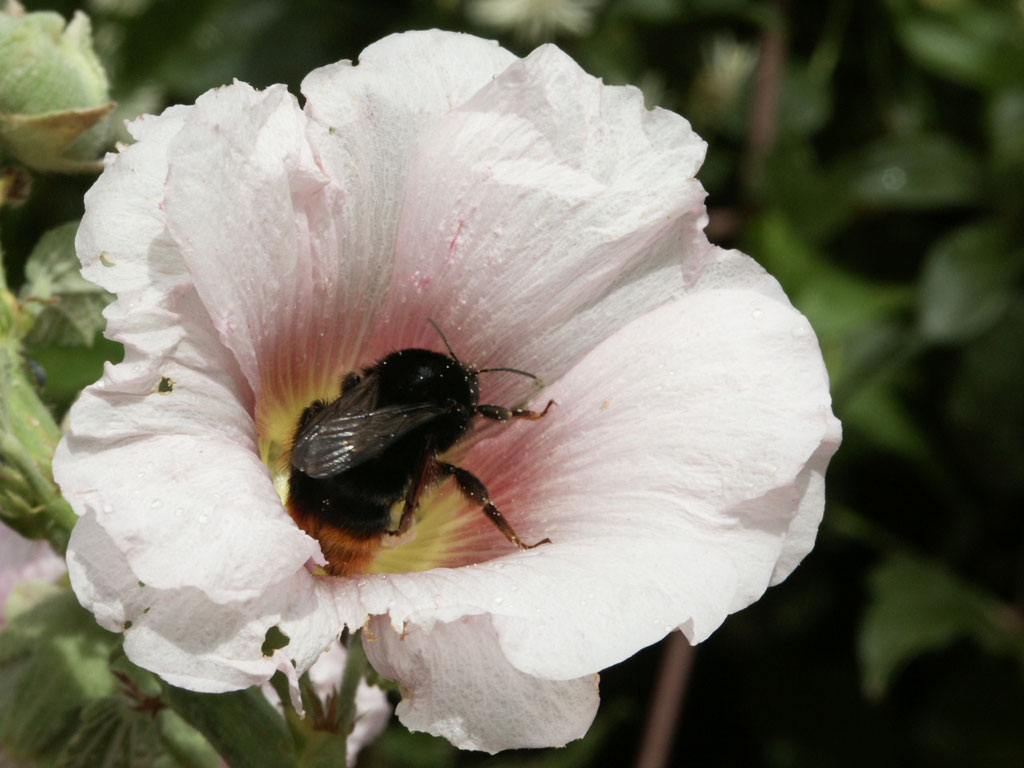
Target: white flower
[{"x": 259, "y": 252}]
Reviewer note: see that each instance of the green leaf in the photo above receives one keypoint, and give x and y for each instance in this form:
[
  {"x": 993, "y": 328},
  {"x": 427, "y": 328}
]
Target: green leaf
[
  {"x": 877, "y": 409},
  {"x": 985, "y": 407},
  {"x": 53, "y": 662},
  {"x": 67, "y": 307},
  {"x": 972, "y": 43},
  {"x": 1005, "y": 118},
  {"x": 919, "y": 606},
  {"x": 817, "y": 202},
  {"x": 242, "y": 726},
  {"x": 968, "y": 282},
  {"x": 838, "y": 303},
  {"x": 922, "y": 171},
  {"x": 70, "y": 369},
  {"x": 805, "y": 103}
]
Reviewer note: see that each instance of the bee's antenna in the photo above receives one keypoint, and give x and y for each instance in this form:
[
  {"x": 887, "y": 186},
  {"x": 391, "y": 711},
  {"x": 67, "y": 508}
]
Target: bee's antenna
[
  {"x": 510, "y": 370},
  {"x": 445, "y": 340}
]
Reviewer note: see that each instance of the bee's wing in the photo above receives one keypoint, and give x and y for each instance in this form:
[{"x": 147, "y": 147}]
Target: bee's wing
[{"x": 347, "y": 432}]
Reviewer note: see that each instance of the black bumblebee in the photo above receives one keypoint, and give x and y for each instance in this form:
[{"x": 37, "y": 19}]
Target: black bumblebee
[{"x": 354, "y": 458}]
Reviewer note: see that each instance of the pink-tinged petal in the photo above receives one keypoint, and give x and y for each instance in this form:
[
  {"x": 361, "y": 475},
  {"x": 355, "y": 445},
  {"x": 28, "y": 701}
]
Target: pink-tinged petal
[
  {"x": 367, "y": 121},
  {"x": 534, "y": 211},
  {"x": 255, "y": 219},
  {"x": 666, "y": 477},
  {"x": 457, "y": 683},
  {"x": 186, "y": 638},
  {"x": 23, "y": 560}
]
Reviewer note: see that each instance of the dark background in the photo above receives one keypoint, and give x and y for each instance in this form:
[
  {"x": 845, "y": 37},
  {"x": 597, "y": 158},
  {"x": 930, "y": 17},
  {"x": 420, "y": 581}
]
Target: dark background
[{"x": 869, "y": 154}]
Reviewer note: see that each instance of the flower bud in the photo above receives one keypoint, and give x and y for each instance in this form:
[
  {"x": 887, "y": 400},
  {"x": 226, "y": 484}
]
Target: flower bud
[{"x": 53, "y": 91}]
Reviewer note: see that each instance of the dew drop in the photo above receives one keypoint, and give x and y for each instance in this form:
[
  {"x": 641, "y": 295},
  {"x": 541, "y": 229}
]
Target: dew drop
[
  {"x": 757, "y": 314},
  {"x": 498, "y": 600},
  {"x": 203, "y": 519},
  {"x": 179, "y": 512},
  {"x": 361, "y": 583},
  {"x": 155, "y": 504}
]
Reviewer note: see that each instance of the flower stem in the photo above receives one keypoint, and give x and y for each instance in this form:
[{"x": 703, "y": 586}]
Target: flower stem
[
  {"x": 355, "y": 670},
  {"x": 666, "y": 702}
]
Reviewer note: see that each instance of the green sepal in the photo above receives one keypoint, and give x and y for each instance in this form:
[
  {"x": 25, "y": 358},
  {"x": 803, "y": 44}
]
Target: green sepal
[{"x": 119, "y": 732}]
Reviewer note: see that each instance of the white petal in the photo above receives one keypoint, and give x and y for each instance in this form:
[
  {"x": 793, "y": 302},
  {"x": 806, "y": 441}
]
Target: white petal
[
  {"x": 175, "y": 476},
  {"x": 133, "y": 259},
  {"x": 187, "y": 512},
  {"x": 458, "y": 684},
  {"x": 183, "y": 636},
  {"x": 803, "y": 529},
  {"x": 667, "y": 478}
]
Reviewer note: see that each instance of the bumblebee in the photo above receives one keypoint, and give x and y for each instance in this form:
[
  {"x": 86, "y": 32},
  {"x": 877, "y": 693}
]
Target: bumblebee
[{"x": 379, "y": 444}]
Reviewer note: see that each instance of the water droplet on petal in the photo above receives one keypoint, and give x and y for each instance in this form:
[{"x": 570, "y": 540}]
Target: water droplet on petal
[
  {"x": 155, "y": 504},
  {"x": 757, "y": 314}
]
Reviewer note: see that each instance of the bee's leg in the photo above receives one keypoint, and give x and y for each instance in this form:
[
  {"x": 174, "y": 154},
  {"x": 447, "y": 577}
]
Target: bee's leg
[
  {"x": 500, "y": 413},
  {"x": 476, "y": 492},
  {"x": 424, "y": 474}
]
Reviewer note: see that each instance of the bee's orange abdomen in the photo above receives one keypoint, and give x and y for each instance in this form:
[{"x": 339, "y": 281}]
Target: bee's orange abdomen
[{"x": 346, "y": 554}]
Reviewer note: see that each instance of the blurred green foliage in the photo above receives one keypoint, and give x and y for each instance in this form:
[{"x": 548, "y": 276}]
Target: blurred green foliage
[{"x": 871, "y": 156}]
